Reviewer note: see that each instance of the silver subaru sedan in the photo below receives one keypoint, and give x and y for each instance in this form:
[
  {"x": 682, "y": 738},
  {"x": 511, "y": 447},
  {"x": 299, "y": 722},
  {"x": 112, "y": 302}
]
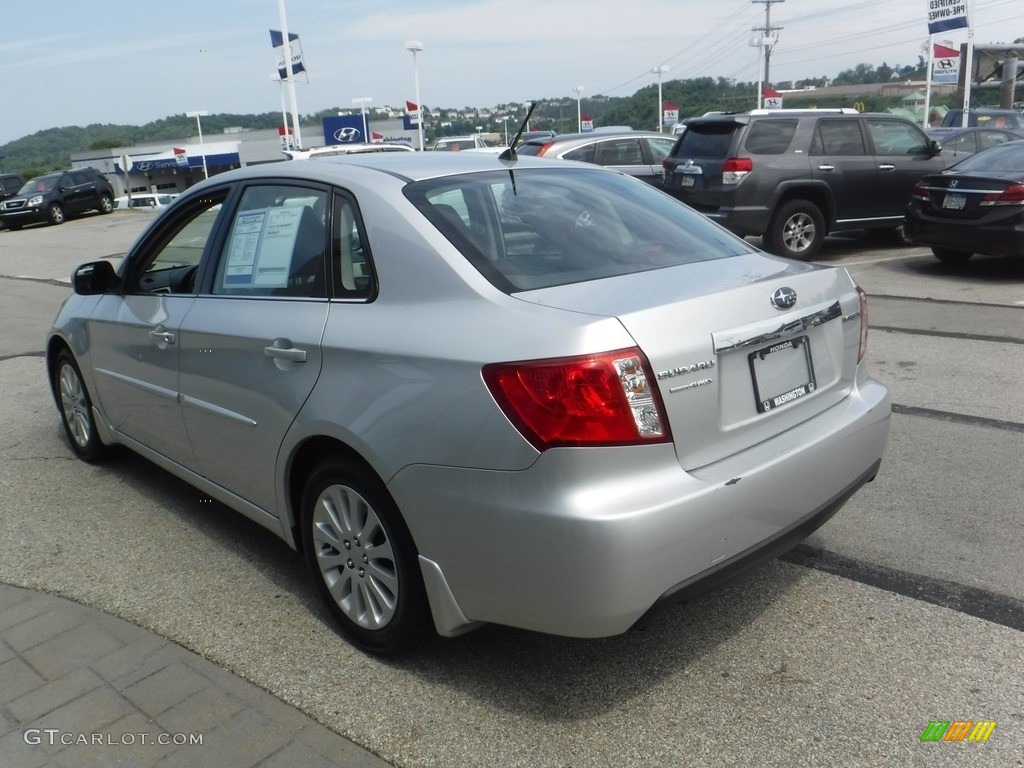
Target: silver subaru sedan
[{"x": 474, "y": 389}]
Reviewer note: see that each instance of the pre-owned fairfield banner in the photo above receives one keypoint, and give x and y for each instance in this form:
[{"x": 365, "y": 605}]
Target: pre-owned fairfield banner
[{"x": 945, "y": 16}]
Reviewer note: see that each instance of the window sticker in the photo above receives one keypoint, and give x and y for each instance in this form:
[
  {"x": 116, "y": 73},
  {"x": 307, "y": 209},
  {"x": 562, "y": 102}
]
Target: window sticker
[{"x": 261, "y": 246}]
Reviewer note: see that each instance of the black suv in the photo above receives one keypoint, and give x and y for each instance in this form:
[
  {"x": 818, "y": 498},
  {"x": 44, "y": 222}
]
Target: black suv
[
  {"x": 793, "y": 176},
  {"x": 53, "y": 197},
  {"x": 9, "y": 184}
]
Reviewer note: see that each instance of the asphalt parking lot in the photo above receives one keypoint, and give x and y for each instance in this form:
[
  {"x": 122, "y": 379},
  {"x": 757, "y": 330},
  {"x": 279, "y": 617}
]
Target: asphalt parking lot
[{"x": 906, "y": 608}]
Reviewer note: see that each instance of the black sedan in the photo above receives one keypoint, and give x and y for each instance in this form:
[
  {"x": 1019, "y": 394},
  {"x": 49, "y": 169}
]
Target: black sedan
[{"x": 976, "y": 206}]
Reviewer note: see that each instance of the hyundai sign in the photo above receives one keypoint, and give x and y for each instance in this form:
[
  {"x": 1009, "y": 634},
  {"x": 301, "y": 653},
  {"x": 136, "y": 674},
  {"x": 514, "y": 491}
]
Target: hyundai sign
[{"x": 344, "y": 130}]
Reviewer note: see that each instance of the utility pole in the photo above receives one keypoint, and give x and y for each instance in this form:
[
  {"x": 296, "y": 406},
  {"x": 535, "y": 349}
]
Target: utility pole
[{"x": 766, "y": 32}]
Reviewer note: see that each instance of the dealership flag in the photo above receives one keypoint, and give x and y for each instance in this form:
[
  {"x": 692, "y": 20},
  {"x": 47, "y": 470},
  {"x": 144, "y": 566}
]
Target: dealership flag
[
  {"x": 414, "y": 113},
  {"x": 294, "y": 49},
  {"x": 946, "y": 64},
  {"x": 944, "y": 15},
  {"x": 670, "y": 113},
  {"x": 586, "y": 123},
  {"x": 772, "y": 98}
]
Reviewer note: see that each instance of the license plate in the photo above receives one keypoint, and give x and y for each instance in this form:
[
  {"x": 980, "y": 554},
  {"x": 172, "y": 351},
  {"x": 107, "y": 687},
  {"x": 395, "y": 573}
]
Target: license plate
[
  {"x": 954, "y": 202},
  {"x": 686, "y": 180},
  {"x": 782, "y": 373}
]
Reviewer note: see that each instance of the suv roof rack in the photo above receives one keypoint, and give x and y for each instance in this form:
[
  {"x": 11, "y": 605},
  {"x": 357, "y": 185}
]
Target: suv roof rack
[{"x": 810, "y": 110}]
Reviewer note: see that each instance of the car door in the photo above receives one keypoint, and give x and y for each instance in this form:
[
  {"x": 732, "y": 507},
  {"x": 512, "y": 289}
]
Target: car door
[
  {"x": 624, "y": 154},
  {"x": 840, "y": 161},
  {"x": 85, "y": 195},
  {"x": 902, "y": 156},
  {"x": 656, "y": 149},
  {"x": 250, "y": 344},
  {"x": 134, "y": 334}
]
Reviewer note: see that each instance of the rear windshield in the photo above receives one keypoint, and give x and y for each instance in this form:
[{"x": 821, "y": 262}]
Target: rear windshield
[
  {"x": 706, "y": 140},
  {"x": 531, "y": 148},
  {"x": 1004, "y": 158},
  {"x": 534, "y": 227}
]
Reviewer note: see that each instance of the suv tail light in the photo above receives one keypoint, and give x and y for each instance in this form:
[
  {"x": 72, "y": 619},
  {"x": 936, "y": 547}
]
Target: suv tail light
[
  {"x": 735, "y": 169},
  {"x": 589, "y": 400},
  {"x": 1012, "y": 195},
  {"x": 863, "y": 349}
]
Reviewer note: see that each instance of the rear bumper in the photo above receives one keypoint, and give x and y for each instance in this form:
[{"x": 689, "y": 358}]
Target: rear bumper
[
  {"x": 1001, "y": 238},
  {"x": 588, "y": 542}
]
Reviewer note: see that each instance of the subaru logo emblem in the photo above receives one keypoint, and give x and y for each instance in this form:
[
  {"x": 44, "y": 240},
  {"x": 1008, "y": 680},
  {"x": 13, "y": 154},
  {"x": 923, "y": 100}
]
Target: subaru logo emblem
[{"x": 784, "y": 298}]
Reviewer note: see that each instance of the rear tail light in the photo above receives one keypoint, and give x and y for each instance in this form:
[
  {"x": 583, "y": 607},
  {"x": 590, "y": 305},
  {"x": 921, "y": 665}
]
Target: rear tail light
[
  {"x": 863, "y": 350},
  {"x": 920, "y": 193},
  {"x": 735, "y": 169},
  {"x": 590, "y": 400},
  {"x": 1012, "y": 195},
  {"x": 544, "y": 149}
]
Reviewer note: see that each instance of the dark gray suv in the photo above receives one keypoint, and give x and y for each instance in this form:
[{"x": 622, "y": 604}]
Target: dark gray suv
[
  {"x": 793, "y": 176},
  {"x": 53, "y": 197}
]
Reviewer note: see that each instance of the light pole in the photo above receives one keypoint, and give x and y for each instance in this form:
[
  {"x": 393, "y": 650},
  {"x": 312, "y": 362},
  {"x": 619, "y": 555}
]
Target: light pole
[
  {"x": 504, "y": 119},
  {"x": 415, "y": 46},
  {"x": 578, "y": 90},
  {"x": 659, "y": 71},
  {"x": 197, "y": 114},
  {"x": 362, "y": 102}
]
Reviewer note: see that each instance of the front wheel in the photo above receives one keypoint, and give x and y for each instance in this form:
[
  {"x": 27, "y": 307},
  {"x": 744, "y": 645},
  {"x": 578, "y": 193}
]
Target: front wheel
[
  {"x": 76, "y": 409},
  {"x": 951, "y": 256},
  {"x": 362, "y": 558},
  {"x": 796, "y": 231},
  {"x": 56, "y": 214}
]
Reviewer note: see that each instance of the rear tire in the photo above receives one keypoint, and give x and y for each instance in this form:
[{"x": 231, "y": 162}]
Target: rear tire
[
  {"x": 796, "y": 231},
  {"x": 951, "y": 256},
  {"x": 362, "y": 558},
  {"x": 56, "y": 214},
  {"x": 106, "y": 204}
]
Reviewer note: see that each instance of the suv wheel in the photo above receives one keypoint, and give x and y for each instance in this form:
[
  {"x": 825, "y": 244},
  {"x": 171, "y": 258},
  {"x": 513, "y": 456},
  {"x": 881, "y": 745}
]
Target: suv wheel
[
  {"x": 56, "y": 214},
  {"x": 796, "y": 231},
  {"x": 106, "y": 203}
]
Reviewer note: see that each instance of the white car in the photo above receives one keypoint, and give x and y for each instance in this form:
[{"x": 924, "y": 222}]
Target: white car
[
  {"x": 336, "y": 150},
  {"x": 144, "y": 201}
]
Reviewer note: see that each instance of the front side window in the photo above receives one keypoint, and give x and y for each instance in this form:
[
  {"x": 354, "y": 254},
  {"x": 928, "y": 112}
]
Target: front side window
[
  {"x": 276, "y": 244},
  {"x": 169, "y": 261},
  {"x": 535, "y": 228},
  {"x": 896, "y": 137}
]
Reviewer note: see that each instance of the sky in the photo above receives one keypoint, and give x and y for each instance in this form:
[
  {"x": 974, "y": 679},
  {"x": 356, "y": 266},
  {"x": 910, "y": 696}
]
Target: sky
[{"x": 67, "y": 62}]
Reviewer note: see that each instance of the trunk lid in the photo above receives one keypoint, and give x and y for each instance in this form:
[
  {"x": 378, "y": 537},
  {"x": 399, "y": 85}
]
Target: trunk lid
[{"x": 732, "y": 369}]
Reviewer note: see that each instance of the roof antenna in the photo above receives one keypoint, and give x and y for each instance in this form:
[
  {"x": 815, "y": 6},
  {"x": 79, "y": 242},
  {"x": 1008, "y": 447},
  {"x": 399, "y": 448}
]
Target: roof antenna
[{"x": 510, "y": 152}]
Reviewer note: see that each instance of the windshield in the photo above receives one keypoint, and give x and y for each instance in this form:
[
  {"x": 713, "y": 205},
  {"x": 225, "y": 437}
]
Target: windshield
[
  {"x": 535, "y": 228},
  {"x": 41, "y": 184},
  {"x": 1005, "y": 158}
]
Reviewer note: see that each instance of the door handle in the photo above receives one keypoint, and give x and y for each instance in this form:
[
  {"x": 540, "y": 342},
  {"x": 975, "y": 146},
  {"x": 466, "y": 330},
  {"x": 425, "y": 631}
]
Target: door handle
[
  {"x": 285, "y": 353},
  {"x": 826, "y": 167},
  {"x": 887, "y": 167},
  {"x": 162, "y": 337}
]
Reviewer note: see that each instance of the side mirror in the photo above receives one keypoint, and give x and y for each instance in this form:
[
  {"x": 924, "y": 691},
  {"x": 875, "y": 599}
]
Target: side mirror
[
  {"x": 934, "y": 148},
  {"x": 94, "y": 278}
]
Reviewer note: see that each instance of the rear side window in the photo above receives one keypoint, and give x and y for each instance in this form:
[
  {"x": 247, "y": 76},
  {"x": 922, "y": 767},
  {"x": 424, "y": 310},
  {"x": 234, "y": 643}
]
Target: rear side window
[
  {"x": 770, "y": 137},
  {"x": 706, "y": 140},
  {"x": 838, "y": 137}
]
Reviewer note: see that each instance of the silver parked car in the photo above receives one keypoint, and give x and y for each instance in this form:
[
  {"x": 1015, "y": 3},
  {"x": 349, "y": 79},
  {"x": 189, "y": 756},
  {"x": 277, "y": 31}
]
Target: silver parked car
[
  {"x": 637, "y": 153},
  {"x": 472, "y": 389}
]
